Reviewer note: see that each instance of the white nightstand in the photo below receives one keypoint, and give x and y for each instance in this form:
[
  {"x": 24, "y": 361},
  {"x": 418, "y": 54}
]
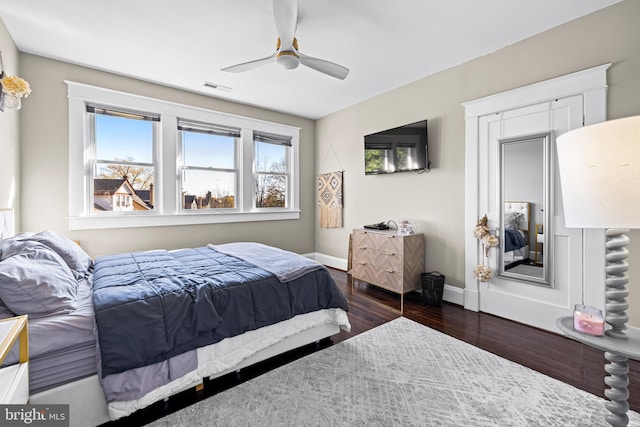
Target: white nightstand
[{"x": 14, "y": 380}]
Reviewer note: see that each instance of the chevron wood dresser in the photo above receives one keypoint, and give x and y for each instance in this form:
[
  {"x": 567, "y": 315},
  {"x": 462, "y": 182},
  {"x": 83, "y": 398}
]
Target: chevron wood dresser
[{"x": 388, "y": 260}]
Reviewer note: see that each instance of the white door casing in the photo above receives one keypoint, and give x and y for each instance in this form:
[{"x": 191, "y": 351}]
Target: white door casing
[
  {"x": 556, "y": 105},
  {"x": 513, "y": 299}
]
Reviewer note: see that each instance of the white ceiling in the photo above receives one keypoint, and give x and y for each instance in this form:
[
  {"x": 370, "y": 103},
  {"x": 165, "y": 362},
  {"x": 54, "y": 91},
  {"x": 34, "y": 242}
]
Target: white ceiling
[{"x": 182, "y": 44}]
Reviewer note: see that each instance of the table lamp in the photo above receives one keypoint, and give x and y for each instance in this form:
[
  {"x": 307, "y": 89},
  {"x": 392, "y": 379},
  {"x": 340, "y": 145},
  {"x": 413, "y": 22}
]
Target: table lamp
[{"x": 600, "y": 178}]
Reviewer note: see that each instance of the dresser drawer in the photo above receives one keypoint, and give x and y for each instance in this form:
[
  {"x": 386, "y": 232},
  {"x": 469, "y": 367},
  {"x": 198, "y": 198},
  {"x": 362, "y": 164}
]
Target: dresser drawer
[
  {"x": 358, "y": 236},
  {"x": 384, "y": 259},
  {"x": 382, "y": 241},
  {"x": 383, "y": 277},
  {"x": 391, "y": 244}
]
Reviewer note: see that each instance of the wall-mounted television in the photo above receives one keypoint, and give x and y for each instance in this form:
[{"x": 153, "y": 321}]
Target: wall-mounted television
[{"x": 401, "y": 149}]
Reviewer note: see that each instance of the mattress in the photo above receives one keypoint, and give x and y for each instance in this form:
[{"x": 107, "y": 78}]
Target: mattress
[{"x": 61, "y": 367}]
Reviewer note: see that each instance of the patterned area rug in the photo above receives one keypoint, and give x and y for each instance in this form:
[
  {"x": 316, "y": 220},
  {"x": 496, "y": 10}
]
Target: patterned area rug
[{"x": 399, "y": 374}]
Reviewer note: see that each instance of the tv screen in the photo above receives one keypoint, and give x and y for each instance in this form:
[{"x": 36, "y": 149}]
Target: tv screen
[{"x": 400, "y": 149}]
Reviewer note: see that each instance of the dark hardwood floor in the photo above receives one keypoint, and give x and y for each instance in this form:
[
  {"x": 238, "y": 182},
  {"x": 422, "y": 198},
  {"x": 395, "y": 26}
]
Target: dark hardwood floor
[{"x": 551, "y": 354}]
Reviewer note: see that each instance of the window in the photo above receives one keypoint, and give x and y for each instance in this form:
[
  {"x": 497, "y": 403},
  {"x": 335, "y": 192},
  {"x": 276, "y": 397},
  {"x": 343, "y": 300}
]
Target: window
[
  {"x": 122, "y": 160},
  {"x": 378, "y": 157},
  {"x": 271, "y": 170},
  {"x": 136, "y": 161},
  {"x": 406, "y": 153},
  {"x": 209, "y": 176}
]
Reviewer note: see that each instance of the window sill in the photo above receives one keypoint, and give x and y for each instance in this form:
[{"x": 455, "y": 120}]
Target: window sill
[{"x": 128, "y": 221}]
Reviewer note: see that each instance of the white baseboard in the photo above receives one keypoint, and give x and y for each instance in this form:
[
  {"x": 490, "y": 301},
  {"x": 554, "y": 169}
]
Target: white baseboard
[
  {"x": 472, "y": 300},
  {"x": 329, "y": 261},
  {"x": 452, "y": 294}
]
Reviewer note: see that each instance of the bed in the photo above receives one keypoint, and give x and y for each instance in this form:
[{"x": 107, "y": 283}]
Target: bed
[
  {"x": 516, "y": 233},
  {"x": 203, "y": 312}
]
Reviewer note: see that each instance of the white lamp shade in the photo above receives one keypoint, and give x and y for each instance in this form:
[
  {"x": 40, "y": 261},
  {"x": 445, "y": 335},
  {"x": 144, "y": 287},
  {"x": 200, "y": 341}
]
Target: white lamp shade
[{"x": 600, "y": 174}]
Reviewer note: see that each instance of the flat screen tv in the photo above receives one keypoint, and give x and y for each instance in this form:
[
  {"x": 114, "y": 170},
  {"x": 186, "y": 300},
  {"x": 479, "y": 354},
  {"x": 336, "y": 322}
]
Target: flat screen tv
[{"x": 400, "y": 149}]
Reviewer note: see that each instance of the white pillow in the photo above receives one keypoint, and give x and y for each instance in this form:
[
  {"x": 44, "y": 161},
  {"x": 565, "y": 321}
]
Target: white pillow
[{"x": 511, "y": 219}]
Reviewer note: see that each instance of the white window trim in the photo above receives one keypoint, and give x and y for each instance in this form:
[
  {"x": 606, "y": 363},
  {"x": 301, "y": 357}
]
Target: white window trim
[{"x": 167, "y": 211}]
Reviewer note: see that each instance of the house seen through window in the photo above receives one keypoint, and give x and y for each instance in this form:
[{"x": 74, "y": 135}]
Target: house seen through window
[
  {"x": 123, "y": 170},
  {"x": 209, "y": 166}
]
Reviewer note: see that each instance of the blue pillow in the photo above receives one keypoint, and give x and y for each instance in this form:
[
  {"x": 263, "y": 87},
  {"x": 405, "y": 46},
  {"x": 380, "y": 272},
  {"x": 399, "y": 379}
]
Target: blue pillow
[{"x": 34, "y": 280}]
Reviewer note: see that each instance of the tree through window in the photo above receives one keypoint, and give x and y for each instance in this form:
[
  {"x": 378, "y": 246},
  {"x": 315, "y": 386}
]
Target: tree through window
[
  {"x": 272, "y": 168},
  {"x": 123, "y": 169}
]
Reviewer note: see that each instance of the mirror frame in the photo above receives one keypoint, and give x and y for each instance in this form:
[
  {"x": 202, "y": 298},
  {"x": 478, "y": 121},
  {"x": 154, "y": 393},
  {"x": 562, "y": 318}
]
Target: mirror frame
[{"x": 546, "y": 138}]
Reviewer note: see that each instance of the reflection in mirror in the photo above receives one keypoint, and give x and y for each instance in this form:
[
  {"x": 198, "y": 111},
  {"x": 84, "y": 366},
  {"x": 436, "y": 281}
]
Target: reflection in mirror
[{"x": 525, "y": 206}]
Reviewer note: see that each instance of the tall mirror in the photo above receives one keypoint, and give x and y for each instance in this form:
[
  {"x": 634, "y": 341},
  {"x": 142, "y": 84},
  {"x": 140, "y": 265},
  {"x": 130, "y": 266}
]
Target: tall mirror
[{"x": 526, "y": 175}]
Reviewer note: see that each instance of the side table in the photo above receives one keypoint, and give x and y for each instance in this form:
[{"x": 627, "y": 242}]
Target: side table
[
  {"x": 617, "y": 352},
  {"x": 14, "y": 379}
]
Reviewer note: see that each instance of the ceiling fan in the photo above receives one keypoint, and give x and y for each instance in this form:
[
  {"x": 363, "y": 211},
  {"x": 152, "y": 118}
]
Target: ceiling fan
[{"x": 287, "y": 55}]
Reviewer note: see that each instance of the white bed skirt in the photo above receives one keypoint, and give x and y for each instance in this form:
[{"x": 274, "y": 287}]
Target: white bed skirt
[
  {"x": 516, "y": 255},
  {"x": 88, "y": 406}
]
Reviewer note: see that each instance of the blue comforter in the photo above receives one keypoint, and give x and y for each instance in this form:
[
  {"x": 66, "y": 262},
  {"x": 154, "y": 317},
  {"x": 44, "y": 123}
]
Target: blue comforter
[
  {"x": 513, "y": 240},
  {"x": 153, "y": 305}
]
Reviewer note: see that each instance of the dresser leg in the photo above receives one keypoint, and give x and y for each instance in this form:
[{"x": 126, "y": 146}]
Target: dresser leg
[{"x": 618, "y": 394}]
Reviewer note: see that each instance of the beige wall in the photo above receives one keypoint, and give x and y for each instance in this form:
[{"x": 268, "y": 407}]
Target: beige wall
[
  {"x": 44, "y": 150},
  {"x": 436, "y": 199},
  {"x": 9, "y": 134}
]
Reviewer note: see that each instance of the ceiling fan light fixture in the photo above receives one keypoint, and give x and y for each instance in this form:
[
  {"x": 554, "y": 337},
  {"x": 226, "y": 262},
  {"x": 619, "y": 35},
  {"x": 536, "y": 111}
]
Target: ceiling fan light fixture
[
  {"x": 287, "y": 55},
  {"x": 287, "y": 60}
]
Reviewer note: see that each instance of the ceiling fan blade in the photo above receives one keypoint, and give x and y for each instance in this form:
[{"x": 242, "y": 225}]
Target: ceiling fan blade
[
  {"x": 285, "y": 13},
  {"x": 326, "y": 67},
  {"x": 246, "y": 66}
]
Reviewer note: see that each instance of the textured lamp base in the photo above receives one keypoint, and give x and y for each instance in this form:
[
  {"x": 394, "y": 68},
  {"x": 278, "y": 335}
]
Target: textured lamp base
[
  {"x": 616, "y": 291},
  {"x": 618, "y": 380}
]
